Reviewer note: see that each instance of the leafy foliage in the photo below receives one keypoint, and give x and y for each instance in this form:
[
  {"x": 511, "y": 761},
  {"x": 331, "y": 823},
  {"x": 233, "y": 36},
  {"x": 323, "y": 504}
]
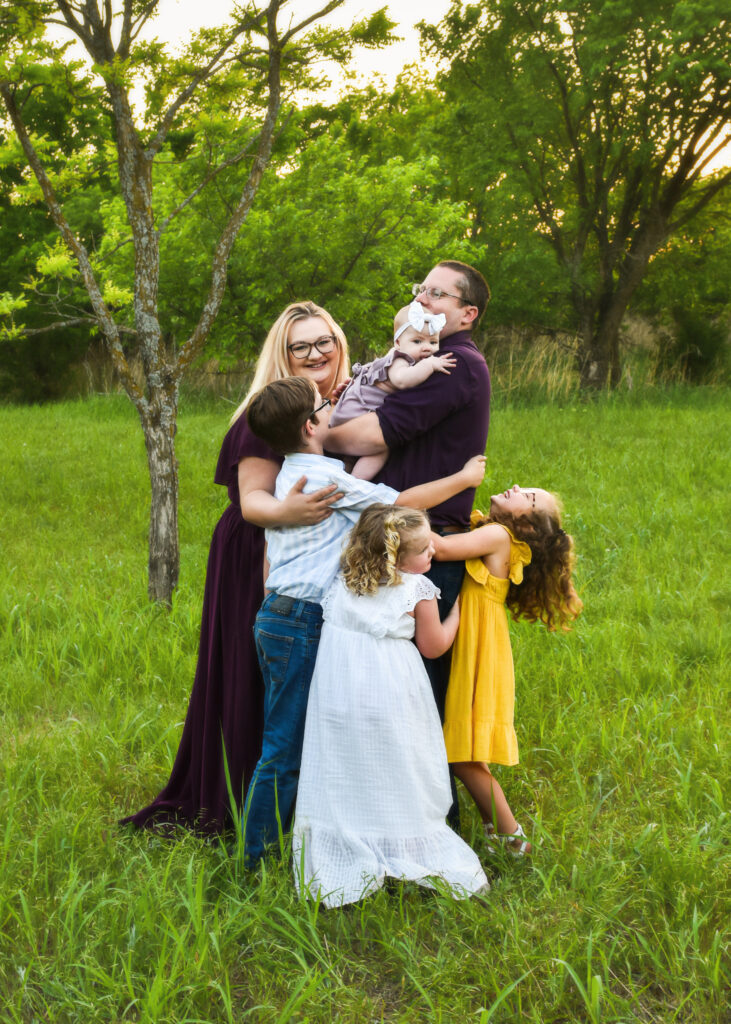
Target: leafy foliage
[
  {"x": 687, "y": 293},
  {"x": 348, "y": 234},
  {"x": 600, "y": 118},
  {"x": 35, "y": 361},
  {"x": 255, "y": 56},
  {"x": 557, "y": 130}
]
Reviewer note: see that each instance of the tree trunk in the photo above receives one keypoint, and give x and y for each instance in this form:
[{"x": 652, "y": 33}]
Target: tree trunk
[
  {"x": 599, "y": 361},
  {"x": 156, "y": 400},
  {"x": 158, "y": 425},
  {"x": 593, "y": 364}
]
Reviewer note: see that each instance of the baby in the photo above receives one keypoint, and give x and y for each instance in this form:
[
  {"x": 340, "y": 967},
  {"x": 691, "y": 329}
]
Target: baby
[{"x": 412, "y": 360}]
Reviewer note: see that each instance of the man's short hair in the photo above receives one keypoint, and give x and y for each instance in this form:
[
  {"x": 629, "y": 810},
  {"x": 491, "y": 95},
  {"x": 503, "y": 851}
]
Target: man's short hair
[
  {"x": 472, "y": 285},
  {"x": 278, "y": 412}
]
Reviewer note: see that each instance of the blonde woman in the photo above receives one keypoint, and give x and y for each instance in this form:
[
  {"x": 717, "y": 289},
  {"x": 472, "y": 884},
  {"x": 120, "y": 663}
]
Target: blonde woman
[
  {"x": 374, "y": 783},
  {"x": 225, "y": 709}
]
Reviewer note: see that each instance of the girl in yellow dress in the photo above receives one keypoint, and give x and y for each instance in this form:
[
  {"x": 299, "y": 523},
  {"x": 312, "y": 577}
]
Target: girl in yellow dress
[{"x": 517, "y": 556}]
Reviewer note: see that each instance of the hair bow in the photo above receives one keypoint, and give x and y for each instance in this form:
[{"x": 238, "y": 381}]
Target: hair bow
[{"x": 420, "y": 320}]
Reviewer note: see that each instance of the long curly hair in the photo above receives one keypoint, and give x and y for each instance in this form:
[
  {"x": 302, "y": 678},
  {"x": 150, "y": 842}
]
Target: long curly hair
[
  {"x": 378, "y": 541},
  {"x": 547, "y": 592}
]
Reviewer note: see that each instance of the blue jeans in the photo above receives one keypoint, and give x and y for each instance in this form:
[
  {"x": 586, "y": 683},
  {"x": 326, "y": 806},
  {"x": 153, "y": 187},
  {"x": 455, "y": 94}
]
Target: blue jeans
[{"x": 287, "y": 634}]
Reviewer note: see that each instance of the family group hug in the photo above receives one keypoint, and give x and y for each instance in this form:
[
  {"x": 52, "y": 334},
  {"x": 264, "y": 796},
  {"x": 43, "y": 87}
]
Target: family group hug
[{"x": 354, "y": 651}]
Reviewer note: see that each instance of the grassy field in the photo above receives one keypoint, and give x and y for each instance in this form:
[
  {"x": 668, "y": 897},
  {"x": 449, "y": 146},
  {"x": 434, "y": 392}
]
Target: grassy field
[{"x": 623, "y": 724}]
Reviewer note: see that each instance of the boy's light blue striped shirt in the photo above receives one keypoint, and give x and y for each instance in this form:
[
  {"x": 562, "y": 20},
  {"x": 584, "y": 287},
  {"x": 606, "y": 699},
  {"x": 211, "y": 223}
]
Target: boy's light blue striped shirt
[{"x": 304, "y": 560}]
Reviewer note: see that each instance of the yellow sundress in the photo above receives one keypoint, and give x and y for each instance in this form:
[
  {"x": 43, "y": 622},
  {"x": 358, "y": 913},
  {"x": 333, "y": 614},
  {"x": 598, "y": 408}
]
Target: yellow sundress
[{"x": 478, "y": 720}]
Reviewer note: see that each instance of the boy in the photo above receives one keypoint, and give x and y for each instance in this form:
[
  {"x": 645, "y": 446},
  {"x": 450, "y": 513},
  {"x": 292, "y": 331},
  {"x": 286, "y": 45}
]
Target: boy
[{"x": 303, "y": 562}]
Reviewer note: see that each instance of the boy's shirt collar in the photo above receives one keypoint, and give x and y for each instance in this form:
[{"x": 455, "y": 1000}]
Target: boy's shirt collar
[{"x": 305, "y": 459}]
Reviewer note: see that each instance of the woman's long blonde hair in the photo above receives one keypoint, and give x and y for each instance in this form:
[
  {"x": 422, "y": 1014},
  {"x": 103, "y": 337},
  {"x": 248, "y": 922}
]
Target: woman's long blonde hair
[
  {"x": 273, "y": 362},
  {"x": 379, "y": 540}
]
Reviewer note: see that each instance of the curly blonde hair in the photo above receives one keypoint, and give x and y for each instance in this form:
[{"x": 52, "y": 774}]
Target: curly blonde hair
[
  {"x": 547, "y": 593},
  {"x": 379, "y": 540}
]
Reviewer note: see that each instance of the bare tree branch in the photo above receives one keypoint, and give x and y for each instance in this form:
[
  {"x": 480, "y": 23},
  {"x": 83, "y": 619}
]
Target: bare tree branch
[
  {"x": 75, "y": 322},
  {"x": 249, "y": 23},
  {"x": 209, "y": 178},
  {"x": 92, "y": 34},
  {"x": 137, "y": 25},
  {"x": 323, "y": 12},
  {"x": 67, "y": 10},
  {"x": 707, "y": 150},
  {"x": 223, "y": 249},
  {"x": 708, "y": 193}
]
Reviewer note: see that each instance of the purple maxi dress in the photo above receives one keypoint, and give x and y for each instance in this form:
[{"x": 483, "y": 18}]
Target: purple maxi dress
[{"x": 225, "y": 709}]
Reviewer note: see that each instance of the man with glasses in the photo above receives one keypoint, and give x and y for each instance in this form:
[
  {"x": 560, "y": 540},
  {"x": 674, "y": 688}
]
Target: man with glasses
[{"x": 430, "y": 429}]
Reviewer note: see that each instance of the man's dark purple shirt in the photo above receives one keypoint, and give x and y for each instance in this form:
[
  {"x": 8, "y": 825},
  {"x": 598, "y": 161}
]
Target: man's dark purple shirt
[{"x": 432, "y": 429}]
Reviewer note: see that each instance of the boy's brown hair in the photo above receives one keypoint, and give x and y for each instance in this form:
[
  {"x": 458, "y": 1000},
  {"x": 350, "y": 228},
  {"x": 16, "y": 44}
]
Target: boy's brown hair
[{"x": 278, "y": 412}]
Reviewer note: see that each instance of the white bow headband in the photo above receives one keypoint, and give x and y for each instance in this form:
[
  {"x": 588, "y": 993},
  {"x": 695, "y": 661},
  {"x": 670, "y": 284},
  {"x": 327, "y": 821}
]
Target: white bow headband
[{"x": 420, "y": 319}]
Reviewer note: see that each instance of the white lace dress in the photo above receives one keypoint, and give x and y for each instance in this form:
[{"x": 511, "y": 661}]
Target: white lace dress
[{"x": 374, "y": 784}]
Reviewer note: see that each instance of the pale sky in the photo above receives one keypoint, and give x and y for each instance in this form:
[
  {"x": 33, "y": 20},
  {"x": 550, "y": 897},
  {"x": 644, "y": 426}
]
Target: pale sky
[{"x": 177, "y": 18}]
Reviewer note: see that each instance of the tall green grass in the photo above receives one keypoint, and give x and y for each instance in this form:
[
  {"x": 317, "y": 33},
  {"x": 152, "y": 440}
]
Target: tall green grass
[{"x": 621, "y": 916}]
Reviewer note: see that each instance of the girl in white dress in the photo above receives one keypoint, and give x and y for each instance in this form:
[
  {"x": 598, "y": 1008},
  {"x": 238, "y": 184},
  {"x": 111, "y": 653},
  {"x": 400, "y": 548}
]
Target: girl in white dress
[{"x": 374, "y": 784}]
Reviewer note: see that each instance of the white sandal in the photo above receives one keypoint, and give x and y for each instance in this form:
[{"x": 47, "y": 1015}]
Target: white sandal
[
  {"x": 517, "y": 844},
  {"x": 491, "y": 837}
]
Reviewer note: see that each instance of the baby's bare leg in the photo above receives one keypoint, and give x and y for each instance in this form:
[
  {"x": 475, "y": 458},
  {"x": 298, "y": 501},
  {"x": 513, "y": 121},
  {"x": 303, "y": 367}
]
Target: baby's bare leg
[{"x": 368, "y": 466}]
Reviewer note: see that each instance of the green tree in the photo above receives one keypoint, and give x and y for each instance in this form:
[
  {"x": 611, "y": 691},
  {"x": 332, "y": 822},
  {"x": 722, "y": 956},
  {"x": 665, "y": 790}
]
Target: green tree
[
  {"x": 44, "y": 337},
  {"x": 337, "y": 229},
  {"x": 496, "y": 230},
  {"x": 251, "y": 62},
  {"x": 336, "y": 224},
  {"x": 598, "y": 119},
  {"x": 687, "y": 293}
]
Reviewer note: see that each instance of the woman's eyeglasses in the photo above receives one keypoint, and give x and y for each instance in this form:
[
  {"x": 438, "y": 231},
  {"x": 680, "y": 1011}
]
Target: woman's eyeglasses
[{"x": 302, "y": 349}]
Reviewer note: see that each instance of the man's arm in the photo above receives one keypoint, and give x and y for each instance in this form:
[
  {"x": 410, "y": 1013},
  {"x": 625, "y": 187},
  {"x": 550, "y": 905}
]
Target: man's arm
[
  {"x": 406, "y": 414},
  {"x": 359, "y": 436}
]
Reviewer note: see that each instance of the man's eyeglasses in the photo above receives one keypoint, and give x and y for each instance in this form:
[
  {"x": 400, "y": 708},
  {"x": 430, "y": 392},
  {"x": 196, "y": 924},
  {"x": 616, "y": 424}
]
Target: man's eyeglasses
[
  {"x": 302, "y": 349},
  {"x": 436, "y": 293}
]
